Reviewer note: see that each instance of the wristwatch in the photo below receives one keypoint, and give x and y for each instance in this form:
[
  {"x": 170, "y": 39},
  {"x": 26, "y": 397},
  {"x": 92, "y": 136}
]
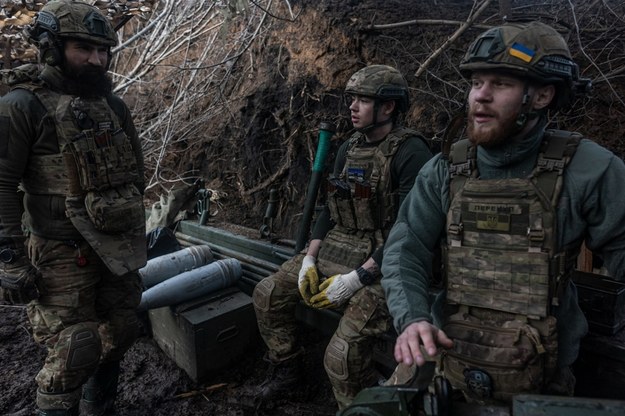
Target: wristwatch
[
  {"x": 9, "y": 255},
  {"x": 365, "y": 276}
]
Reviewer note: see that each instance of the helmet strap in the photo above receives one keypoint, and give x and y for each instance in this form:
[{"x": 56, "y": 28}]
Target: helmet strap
[
  {"x": 526, "y": 114},
  {"x": 375, "y": 124}
]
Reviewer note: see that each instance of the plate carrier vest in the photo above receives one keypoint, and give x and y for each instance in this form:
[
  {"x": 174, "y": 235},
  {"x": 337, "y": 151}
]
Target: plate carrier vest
[
  {"x": 504, "y": 272},
  {"x": 362, "y": 202},
  {"x": 96, "y": 170}
]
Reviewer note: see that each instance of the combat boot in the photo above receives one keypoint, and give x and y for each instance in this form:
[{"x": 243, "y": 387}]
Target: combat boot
[
  {"x": 282, "y": 375},
  {"x": 57, "y": 404},
  {"x": 100, "y": 391}
]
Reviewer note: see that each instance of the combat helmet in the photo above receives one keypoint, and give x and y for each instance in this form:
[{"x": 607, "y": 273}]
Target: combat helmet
[
  {"x": 382, "y": 82},
  {"x": 532, "y": 50},
  {"x": 67, "y": 19}
]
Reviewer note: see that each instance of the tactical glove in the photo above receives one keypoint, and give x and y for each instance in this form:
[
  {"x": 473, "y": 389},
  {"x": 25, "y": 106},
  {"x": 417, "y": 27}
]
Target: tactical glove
[
  {"x": 308, "y": 281},
  {"x": 336, "y": 290},
  {"x": 17, "y": 282}
]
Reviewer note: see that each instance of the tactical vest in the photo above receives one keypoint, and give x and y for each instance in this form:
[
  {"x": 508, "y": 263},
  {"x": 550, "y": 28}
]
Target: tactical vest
[
  {"x": 362, "y": 201},
  {"x": 504, "y": 273},
  {"x": 95, "y": 170}
]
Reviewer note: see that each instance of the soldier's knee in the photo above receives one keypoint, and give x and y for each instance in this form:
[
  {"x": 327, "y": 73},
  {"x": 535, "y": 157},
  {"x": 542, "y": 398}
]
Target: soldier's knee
[
  {"x": 335, "y": 359},
  {"x": 83, "y": 346},
  {"x": 262, "y": 294}
]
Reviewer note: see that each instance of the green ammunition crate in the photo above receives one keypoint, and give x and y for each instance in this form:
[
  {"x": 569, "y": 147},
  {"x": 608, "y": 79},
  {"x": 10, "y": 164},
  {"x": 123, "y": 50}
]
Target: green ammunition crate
[{"x": 207, "y": 333}]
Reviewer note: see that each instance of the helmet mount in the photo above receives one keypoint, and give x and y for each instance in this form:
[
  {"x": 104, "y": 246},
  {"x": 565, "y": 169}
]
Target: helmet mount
[{"x": 59, "y": 20}]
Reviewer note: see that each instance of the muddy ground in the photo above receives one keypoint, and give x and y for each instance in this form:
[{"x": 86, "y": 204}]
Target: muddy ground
[
  {"x": 290, "y": 80},
  {"x": 151, "y": 384}
]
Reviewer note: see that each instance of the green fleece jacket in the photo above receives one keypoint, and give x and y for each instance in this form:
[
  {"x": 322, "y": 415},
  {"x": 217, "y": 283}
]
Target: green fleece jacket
[{"x": 591, "y": 209}]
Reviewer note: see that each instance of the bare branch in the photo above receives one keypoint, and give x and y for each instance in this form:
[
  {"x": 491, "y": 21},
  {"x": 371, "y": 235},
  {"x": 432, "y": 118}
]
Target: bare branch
[{"x": 453, "y": 37}]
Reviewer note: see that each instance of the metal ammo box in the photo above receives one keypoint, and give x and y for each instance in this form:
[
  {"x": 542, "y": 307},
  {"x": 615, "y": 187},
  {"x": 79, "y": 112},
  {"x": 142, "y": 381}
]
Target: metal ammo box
[
  {"x": 207, "y": 333},
  {"x": 602, "y": 300}
]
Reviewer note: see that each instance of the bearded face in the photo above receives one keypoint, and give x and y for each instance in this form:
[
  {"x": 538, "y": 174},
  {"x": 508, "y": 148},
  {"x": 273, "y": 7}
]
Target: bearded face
[
  {"x": 86, "y": 66},
  {"x": 495, "y": 131},
  {"x": 495, "y": 102}
]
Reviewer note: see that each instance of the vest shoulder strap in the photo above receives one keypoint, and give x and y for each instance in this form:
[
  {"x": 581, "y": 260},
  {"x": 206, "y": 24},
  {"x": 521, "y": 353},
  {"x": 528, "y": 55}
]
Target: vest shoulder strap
[
  {"x": 461, "y": 164},
  {"x": 396, "y": 137},
  {"x": 557, "y": 150}
]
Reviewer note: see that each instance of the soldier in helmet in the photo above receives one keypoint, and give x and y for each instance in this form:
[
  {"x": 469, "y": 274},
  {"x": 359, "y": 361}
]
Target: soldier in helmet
[
  {"x": 373, "y": 172},
  {"x": 73, "y": 237},
  {"x": 511, "y": 206}
]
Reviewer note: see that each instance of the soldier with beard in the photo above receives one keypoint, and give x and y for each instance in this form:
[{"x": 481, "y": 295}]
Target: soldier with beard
[
  {"x": 72, "y": 223},
  {"x": 510, "y": 206}
]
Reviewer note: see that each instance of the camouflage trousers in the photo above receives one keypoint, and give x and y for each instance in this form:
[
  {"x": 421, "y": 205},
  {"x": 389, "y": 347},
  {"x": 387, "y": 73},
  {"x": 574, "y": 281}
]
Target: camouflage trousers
[
  {"x": 85, "y": 315},
  {"x": 348, "y": 359}
]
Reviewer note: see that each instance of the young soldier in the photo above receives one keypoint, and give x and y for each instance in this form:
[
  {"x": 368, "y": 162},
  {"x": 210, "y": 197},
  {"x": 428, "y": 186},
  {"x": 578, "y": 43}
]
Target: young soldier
[
  {"x": 373, "y": 172},
  {"x": 71, "y": 147},
  {"x": 512, "y": 204}
]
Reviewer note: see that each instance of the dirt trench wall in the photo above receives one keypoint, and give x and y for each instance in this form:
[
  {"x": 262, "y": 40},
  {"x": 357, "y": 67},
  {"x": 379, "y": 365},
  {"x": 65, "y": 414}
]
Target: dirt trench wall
[{"x": 257, "y": 130}]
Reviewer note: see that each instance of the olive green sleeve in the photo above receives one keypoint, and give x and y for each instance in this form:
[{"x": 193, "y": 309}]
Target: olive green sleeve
[{"x": 18, "y": 131}]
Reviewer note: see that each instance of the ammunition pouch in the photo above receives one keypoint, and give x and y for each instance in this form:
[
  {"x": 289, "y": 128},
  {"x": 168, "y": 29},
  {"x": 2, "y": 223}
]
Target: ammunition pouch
[
  {"x": 365, "y": 210},
  {"x": 113, "y": 211},
  {"x": 342, "y": 252},
  {"x": 493, "y": 360}
]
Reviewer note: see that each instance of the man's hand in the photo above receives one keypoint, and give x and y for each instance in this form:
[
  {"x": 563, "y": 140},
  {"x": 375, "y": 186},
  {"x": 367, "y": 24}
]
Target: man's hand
[
  {"x": 409, "y": 342},
  {"x": 17, "y": 282},
  {"x": 308, "y": 280},
  {"x": 336, "y": 290}
]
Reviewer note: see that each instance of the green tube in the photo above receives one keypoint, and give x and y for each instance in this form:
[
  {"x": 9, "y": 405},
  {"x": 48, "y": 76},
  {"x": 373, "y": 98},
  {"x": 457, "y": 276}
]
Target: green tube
[{"x": 326, "y": 130}]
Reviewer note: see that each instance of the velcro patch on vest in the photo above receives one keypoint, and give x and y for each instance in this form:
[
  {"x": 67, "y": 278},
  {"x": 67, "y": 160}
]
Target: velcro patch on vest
[{"x": 494, "y": 217}]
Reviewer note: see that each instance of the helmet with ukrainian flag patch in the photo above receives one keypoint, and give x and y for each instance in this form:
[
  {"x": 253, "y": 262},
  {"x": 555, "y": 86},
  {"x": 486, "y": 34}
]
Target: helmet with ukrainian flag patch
[{"x": 530, "y": 50}]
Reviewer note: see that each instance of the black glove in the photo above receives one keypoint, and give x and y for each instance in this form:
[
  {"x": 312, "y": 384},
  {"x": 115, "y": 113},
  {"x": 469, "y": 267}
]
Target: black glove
[{"x": 17, "y": 281}]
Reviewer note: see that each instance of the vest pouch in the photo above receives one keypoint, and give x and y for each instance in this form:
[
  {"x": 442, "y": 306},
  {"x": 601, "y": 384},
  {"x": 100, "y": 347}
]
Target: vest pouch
[
  {"x": 341, "y": 252},
  {"x": 346, "y": 211},
  {"x": 364, "y": 208},
  {"x": 491, "y": 362},
  {"x": 333, "y": 207},
  {"x": 115, "y": 210}
]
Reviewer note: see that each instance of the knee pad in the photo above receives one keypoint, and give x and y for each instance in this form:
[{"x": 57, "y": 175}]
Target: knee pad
[
  {"x": 82, "y": 346},
  {"x": 262, "y": 294},
  {"x": 335, "y": 359}
]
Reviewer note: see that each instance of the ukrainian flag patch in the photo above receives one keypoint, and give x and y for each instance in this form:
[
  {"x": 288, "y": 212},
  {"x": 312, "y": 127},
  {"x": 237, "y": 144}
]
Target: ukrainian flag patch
[{"x": 522, "y": 52}]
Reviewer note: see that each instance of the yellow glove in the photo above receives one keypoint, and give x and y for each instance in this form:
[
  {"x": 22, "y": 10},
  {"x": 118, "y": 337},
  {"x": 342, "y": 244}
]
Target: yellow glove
[
  {"x": 336, "y": 290},
  {"x": 308, "y": 280}
]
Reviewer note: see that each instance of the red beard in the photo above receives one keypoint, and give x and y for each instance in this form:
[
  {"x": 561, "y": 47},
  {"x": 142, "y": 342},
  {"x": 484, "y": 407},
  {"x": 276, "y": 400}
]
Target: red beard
[{"x": 496, "y": 133}]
